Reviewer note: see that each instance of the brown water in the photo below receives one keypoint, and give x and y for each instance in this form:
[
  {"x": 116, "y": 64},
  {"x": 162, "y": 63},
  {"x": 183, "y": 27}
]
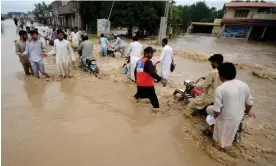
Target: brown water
[{"x": 90, "y": 121}]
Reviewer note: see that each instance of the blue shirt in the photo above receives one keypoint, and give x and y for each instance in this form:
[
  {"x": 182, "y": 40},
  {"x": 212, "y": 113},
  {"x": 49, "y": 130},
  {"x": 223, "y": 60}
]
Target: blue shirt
[
  {"x": 34, "y": 50},
  {"x": 103, "y": 42}
]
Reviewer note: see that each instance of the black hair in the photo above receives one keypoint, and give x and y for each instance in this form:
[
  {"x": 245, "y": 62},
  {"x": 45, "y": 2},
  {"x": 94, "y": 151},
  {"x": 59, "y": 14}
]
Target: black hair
[
  {"x": 27, "y": 27},
  {"x": 36, "y": 29},
  {"x": 72, "y": 29},
  {"x": 34, "y": 32},
  {"x": 216, "y": 58},
  {"x": 60, "y": 31},
  {"x": 22, "y": 32},
  {"x": 54, "y": 29},
  {"x": 65, "y": 36},
  {"x": 76, "y": 28},
  {"x": 135, "y": 38},
  {"x": 227, "y": 70},
  {"x": 102, "y": 35},
  {"x": 165, "y": 41},
  {"x": 85, "y": 37},
  {"x": 149, "y": 50}
]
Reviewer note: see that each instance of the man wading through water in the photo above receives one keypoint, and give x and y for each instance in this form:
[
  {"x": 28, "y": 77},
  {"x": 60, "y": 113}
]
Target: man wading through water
[
  {"x": 144, "y": 74},
  {"x": 20, "y": 49},
  {"x": 65, "y": 58},
  {"x": 35, "y": 50}
]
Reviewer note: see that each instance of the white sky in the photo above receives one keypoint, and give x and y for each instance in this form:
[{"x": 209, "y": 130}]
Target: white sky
[{"x": 24, "y": 6}]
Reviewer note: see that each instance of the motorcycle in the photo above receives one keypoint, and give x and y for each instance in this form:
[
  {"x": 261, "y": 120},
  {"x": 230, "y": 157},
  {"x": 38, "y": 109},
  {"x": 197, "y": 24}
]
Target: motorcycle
[
  {"x": 190, "y": 91},
  {"x": 91, "y": 66},
  {"x": 111, "y": 51}
]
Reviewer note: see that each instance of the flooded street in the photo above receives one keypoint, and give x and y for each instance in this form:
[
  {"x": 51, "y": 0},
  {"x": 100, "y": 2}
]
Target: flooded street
[
  {"x": 89, "y": 121},
  {"x": 242, "y": 51}
]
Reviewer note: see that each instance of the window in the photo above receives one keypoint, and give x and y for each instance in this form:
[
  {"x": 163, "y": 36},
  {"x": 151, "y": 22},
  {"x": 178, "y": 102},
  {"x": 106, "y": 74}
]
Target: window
[{"x": 241, "y": 13}]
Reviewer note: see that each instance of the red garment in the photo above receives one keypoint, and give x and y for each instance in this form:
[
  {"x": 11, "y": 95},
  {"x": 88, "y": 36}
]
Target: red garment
[{"x": 143, "y": 79}]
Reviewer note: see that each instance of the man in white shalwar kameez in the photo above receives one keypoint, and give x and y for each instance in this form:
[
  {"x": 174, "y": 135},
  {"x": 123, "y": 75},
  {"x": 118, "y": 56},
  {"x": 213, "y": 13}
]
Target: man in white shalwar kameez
[
  {"x": 65, "y": 58},
  {"x": 135, "y": 52},
  {"x": 75, "y": 38},
  {"x": 166, "y": 59},
  {"x": 232, "y": 100},
  {"x": 44, "y": 33}
]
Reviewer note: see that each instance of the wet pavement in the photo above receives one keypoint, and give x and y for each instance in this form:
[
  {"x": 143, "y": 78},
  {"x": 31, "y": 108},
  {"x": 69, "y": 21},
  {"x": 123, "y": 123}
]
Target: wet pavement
[{"x": 89, "y": 121}]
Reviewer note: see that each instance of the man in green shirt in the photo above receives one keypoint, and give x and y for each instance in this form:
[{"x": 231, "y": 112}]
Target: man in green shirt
[{"x": 20, "y": 48}]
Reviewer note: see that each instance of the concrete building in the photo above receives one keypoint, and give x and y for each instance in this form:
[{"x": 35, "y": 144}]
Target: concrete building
[
  {"x": 66, "y": 14},
  {"x": 55, "y": 8},
  {"x": 249, "y": 20},
  {"x": 47, "y": 17},
  {"x": 212, "y": 29}
]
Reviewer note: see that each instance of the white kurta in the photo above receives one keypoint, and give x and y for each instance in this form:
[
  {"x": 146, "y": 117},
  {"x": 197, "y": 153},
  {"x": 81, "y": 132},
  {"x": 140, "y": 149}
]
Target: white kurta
[
  {"x": 135, "y": 52},
  {"x": 64, "y": 56},
  {"x": 165, "y": 61},
  {"x": 44, "y": 31},
  {"x": 75, "y": 38},
  {"x": 230, "y": 100}
]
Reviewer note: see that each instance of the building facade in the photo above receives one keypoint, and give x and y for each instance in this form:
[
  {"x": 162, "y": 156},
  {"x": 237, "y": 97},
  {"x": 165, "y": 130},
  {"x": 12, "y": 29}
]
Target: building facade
[
  {"x": 66, "y": 14},
  {"x": 212, "y": 29},
  {"x": 249, "y": 20}
]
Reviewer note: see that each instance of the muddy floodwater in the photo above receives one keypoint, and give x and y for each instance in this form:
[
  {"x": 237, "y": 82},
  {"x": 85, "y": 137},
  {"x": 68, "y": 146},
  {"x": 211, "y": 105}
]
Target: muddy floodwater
[{"x": 91, "y": 121}]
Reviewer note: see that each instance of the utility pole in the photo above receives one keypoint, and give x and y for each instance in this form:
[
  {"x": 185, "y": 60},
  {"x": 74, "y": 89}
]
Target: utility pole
[
  {"x": 110, "y": 11},
  {"x": 164, "y": 23}
]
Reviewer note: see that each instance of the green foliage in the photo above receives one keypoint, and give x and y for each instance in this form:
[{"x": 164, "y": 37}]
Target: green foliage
[
  {"x": 199, "y": 12},
  {"x": 145, "y": 14},
  {"x": 40, "y": 8}
]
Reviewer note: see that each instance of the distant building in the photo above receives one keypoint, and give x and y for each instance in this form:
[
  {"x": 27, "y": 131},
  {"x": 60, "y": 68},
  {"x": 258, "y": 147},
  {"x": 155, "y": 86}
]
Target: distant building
[
  {"x": 212, "y": 29},
  {"x": 66, "y": 14},
  {"x": 48, "y": 17},
  {"x": 249, "y": 20}
]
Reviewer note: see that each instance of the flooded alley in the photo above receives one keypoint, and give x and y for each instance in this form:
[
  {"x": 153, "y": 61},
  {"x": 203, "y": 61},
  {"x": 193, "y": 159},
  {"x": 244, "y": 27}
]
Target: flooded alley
[{"x": 91, "y": 121}]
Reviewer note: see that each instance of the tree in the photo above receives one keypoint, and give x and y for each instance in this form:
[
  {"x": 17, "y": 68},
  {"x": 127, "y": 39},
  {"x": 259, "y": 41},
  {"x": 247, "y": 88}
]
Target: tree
[
  {"x": 40, "y": 8},
  {"x": 142, "y": 14},
  {"x": 199, "y": 12}
]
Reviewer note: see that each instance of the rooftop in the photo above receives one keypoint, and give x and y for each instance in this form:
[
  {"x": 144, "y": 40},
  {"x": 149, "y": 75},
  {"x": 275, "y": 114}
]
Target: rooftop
[{"x": 251, "y": 4}]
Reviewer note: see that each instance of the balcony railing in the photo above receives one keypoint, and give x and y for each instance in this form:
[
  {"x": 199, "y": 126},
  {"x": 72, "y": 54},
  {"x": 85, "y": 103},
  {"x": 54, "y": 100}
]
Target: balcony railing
[{"x": 264, "y": 16}]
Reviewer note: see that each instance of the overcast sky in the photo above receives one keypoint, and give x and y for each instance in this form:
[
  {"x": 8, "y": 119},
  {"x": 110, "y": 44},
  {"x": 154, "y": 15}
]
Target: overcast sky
[{"x": 24, "y": 6}]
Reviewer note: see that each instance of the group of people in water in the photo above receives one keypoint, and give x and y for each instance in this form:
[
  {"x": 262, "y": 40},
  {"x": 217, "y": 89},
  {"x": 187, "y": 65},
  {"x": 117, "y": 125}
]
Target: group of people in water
[{"x": 227, "y": 99}]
